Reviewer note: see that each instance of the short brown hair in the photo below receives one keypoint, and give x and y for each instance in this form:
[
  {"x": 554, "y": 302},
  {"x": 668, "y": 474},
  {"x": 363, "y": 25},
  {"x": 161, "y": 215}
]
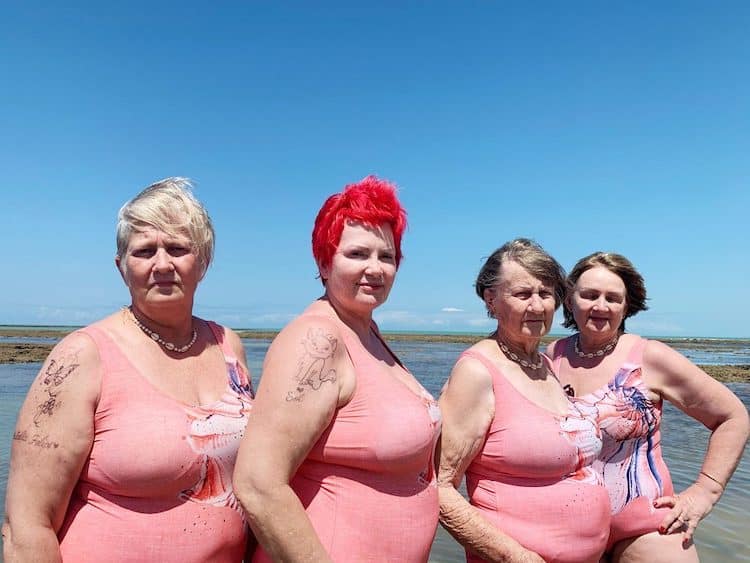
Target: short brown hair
[
  {"x": 635, "y": 289},
  {"x": 532, "y": 258}
]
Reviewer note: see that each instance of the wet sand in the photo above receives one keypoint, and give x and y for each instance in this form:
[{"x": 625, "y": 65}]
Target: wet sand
[{"x": 15, "y": 353}]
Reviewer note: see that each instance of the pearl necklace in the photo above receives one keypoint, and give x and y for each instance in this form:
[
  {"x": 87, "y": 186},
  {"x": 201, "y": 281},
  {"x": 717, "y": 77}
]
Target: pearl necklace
[
  {"x": 170, "y": 346},
  {"x": 518, "y": 359},
  {"x": 598, "y": 353}
]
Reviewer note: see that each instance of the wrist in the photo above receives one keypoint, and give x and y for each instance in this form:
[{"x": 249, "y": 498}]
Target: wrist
[{"x": 710, "y": 484}]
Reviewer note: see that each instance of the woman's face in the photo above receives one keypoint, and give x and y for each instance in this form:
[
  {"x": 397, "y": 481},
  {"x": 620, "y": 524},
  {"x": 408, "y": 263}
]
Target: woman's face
[
  {"x": 524, "y": 305},
  {"x": 159, "y": 269},
  {"x": 362, "y": 269},
  {"x": 598, "y": 302}
]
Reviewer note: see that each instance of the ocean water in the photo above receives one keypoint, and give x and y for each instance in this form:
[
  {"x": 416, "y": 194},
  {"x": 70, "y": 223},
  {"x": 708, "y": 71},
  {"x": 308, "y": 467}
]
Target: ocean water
[{"x": 720, "y": 538}]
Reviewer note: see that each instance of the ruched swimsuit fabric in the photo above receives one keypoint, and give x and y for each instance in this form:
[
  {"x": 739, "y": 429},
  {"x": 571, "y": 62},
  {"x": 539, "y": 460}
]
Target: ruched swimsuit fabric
[
  {"x": 158, "y": 483},
  {"x": 532, "y": 478},
  {"x": 630, "y": 463},
  {"x": 368, "y": 484}
]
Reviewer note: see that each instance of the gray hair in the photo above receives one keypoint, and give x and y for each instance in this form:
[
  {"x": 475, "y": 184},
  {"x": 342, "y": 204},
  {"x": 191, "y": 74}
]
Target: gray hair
[
  {"x": 532, "y": 258},
  {"x": 168, "y": 206}
]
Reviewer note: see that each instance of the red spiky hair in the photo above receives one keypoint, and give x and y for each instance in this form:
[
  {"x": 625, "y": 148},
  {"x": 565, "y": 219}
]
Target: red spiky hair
[{"x": 371, "y": 201}]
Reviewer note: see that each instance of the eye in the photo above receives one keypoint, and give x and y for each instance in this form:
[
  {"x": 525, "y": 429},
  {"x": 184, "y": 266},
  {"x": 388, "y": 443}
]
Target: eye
[
  {"x": 145, "y": 252},
  {"x": 545, "y": 294},
  {"x": 523, "y": 294},
  {"x": 178, "y": 250},
  {"x": 388, "y": 257}
]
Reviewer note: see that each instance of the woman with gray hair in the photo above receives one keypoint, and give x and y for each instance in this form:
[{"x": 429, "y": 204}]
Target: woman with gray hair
[
  {"x": 525, "y": 448},
  {"x": 125, "y": 445}
]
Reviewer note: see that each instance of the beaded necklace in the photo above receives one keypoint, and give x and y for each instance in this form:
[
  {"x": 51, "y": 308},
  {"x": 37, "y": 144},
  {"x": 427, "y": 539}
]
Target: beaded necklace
[{"x": 169, "y": 346}]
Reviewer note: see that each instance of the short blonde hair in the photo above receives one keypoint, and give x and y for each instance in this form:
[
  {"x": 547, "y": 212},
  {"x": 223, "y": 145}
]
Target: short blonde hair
[{"x": 168, "y": 206}]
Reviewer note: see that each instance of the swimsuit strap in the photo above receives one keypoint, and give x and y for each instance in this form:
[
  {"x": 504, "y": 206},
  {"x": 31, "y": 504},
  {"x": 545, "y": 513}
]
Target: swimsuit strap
[
  {"x": 635, "y": 356},
  {"x": 558, "y": 353},
  {"x": 495, "y": 373}
]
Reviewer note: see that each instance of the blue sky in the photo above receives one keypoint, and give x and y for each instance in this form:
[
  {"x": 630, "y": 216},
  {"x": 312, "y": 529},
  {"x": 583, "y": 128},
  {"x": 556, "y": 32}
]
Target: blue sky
[{"x": 584, "y": 125}]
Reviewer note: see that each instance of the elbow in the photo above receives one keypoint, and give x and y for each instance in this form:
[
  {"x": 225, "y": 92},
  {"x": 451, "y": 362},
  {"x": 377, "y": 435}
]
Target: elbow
[
  {"x": 255, "y": 495},
  {"x": 247, "y": 495}
]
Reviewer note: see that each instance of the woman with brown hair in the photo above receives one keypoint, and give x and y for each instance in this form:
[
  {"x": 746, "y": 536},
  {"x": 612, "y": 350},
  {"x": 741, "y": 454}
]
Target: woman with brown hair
[{"x": 626, "y": 379}]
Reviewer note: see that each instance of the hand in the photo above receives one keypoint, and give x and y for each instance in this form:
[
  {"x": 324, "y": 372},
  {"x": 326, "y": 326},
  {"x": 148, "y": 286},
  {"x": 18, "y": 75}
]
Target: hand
[{"x": 688, "y": 508}]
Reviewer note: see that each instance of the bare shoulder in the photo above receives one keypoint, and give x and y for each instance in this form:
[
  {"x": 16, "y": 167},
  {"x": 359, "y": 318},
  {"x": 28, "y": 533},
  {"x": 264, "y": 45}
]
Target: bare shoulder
[
  {"x": 74, "y": 360},
  {"x": 469, "y": 376},
  {"x": 314, "y": 334},
  {"x": 662, "y": 361},
  {"x": 308, "y": 359},
  {"x": 66, "y": 390}
]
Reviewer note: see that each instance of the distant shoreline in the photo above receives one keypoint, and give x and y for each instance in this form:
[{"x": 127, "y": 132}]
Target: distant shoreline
[{"x": 27, "y": 352}]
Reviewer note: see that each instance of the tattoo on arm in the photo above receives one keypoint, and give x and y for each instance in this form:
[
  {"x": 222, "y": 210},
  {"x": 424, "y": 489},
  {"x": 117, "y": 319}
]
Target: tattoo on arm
[
  {"x": 46, "y": 407},
  {"x": 314, "y": 367},
  {"x": 36, "y": 439},
  {"x": 55, "y": 373}
]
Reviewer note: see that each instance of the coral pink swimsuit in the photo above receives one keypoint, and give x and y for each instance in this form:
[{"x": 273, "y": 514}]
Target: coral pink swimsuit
[
  {"x": 630, "y": 462},
  {"x": 368, "y": 484},
  {"x": 158, "y": 482},
  {"x": 532, "y": 478}
]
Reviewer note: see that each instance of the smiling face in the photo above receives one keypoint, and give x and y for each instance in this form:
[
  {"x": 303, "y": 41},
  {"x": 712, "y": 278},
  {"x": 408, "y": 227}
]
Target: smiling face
[
  {"x": 523, "y": 305},
  {"x": 598, "y": 303},
  {"x": 362, "y": 269},
  {"x": 159, "y": 269}
]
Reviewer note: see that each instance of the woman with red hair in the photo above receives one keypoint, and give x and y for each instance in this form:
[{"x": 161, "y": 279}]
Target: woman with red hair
[{"x": 337, "y": 462}]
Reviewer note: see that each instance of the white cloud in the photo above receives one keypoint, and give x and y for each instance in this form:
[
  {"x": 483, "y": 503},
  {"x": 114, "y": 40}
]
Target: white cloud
[{"x": 451, "y": 310}]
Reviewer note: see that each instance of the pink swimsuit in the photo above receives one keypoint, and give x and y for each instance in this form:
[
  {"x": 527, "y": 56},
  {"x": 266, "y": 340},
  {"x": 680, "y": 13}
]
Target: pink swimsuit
[
  {"x": 158, "y": 482},
  {"x": 532, "y": 478},
  {"x": 630, "y": 463},
  {"x": 368, "y": 484}
]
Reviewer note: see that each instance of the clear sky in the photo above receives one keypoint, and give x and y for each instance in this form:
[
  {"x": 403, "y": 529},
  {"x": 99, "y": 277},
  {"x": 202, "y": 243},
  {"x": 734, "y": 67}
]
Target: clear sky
[{"x": 584, "y": 125}]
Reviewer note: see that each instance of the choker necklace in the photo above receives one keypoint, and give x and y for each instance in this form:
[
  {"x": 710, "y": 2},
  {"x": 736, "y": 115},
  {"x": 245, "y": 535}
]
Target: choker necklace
[
  {"x": 518, "y": 359},
  {"x": 599, "y": 353},
  {"x": 171, "y": 347}
]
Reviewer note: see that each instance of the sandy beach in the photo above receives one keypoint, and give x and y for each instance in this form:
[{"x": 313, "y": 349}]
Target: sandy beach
[{"x": 22, "y": 352}]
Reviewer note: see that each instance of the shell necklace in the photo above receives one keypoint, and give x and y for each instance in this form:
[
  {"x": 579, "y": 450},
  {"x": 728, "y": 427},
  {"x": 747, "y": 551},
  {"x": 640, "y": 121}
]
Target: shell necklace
[
  {"x": 518, "y": 359},
  {"x": 169, "y": 346},
  {"x": 597, "y": 353}
]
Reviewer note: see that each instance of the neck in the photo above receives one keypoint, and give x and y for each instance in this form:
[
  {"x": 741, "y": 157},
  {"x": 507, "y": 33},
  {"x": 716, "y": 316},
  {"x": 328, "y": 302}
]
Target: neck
[
  {"x": 527, "y": 348},
  {"x": 175, "y": 328},
  {"x": 359, "y": 323},
  {"x": 592, "y": 343}
]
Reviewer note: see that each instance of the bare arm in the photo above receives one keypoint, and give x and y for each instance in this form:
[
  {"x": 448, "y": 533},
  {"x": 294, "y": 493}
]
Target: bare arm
[
  {"x": 706, "y": 400},
  {"x": 51, "y": 442},
  {"x": 467, "y": 405},
  {"x": 301, "y": 387}
]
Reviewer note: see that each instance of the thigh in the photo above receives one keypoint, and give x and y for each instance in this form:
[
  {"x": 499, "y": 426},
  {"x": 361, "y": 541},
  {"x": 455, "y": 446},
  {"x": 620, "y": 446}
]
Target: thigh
[{"x": 654, "y": 548}]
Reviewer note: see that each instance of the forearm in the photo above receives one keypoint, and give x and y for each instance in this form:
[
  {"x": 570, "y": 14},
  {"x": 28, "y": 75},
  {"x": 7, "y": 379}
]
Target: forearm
[
  {"x": 471, "y": 530},
  {"x": 725, "y": 447},
  {"x": 281, "y": 525},
  {"x": 24, "y": 543}
]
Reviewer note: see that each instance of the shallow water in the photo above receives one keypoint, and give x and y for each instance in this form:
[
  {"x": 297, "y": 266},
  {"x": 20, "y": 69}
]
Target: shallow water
[{"x": 721, "y": 537}]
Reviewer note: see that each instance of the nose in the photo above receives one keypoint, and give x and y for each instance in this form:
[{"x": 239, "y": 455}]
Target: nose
[
  {"x": 536, "y": 304},
  {"x": 162, "y": 261},
  {"x": 600, "y": 303},
  {"x": 374, "y": 267}
]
